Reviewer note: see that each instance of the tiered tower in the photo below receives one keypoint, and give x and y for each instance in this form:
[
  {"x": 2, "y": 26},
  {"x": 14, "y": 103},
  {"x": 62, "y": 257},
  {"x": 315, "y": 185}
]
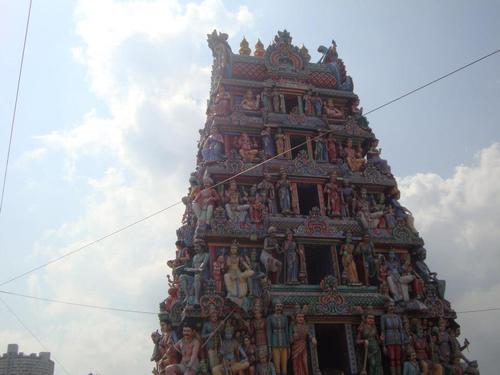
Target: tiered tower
[{"x": 295, "y": 255}]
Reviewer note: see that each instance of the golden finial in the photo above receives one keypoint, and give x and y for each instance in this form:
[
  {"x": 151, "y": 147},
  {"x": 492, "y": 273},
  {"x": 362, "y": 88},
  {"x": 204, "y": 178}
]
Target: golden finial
[
  {"x": 259, "y": 49},
  {"x": 244, "y": 49}
]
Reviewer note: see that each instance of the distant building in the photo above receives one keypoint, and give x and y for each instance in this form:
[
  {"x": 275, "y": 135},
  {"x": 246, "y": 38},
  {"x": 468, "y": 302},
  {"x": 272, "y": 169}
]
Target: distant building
[{"x": 17, "y": 363}]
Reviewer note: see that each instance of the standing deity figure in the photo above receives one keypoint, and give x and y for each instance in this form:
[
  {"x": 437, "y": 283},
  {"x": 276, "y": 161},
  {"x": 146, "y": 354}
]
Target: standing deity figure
[
  {"x": 278, "y": 338},
  {"x": 320, "y": 151},
  {"x": 398, "y": 284},
  {"x": 392, "y": 333},
  {"x": 268, "y": 142},
  {"x": 266, "y": 100},
  {"x": 444, "y": 344},
  {"x": 267, "y": 192},
  {"x": 189, "y": 347},
  {"x": 264, "y": 367},
  {"x": 191, "y": 281},
  {"x": 331, "y": 148},
  {"x": 354, "y": 160},
  {"x": 250, "y": 352},
  {"x": 317, "y": 104},
  {"x": 204, "y": 202},
  {"x": 255, "y": 281},
  {"x": 369, "y": 219},
  {"x": 276, "y": 101},
  {"x": 213, "y": 146},
  {"x": 308, "y": 104},
  {"x": 211, "y": 337},
  {"x": 350, "y": 272},
  {"x": 291, "y": 259},
  {"x": 267, "y": 257},
  {"x": 333, "y": 201},
  {"x": 366, "y": 249},
  {"x": 299, "y": 337},
  {"x": 347, "y": 199},
  {"x": 421, "y": 347},
  {"x": 247, "y": 148},
  {"x": 234, "y": 359},
  {"x": 249, "y": 102},
  {"x": 284, "y": 194},
  {"x": 258, "y": 329},
  {"x": 235, "y": 210},
  {"x": 369, "y": 338},
  {"x": 237, "y": 275},
  {"x": 218, "y": 267},
  {"x": 258, "y": 209},
  {"x": 279, "y": 138},
  {"x": 164, "y": 353},
  {"x": 222, "y": 102},
  {"x": 331, "y": 111}
]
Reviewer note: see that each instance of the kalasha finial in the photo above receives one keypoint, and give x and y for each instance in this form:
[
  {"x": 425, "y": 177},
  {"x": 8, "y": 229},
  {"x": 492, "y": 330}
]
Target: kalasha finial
[
  {"x": 259, "y": 49},
  {"x": 244, "y": 49}
]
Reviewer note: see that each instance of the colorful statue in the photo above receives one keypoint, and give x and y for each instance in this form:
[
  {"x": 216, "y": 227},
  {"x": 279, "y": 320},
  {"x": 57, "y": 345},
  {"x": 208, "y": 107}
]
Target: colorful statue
[
  {"x": 234, "y": 360},
  {"x": 368, "y": 218},
  {"x": 331, "y": 111},
  {"x": 211, "y": 337},
  {"x": 444, "y": 344},
  {"x": 267, "y": 258},
  {"x": 258, "y": 329},
  {"x": 258, "y": 208},
  {"x": 250, "y": 353},
  {"x": 392, "y": 332},
  {"x": 411, "y": 366},
  {"x": 267, "y": 192},
  {"x": 401, "y": 213},
  {"x": 354, "y": 160},
  {"x": 223, "y": 105},
  {"x": 317, "y": 104},
  {"x": 218, "y": 270},
  {"x": 333, "y": 201},
  {"x": 268, "y": 142},
  {"x": 264, "y": 367},
  {"x": 366, "y": 249},
  {"x": 213, "y": 146},
  {"x": 369, "y": 338},
  {"x": 347, "y": 199},
  {"x": 350, "y": 272},
  {"x": 164, "y": 353},
  {"x": 284, "y": 194},
  {"x": 331, "y": 148},
  {"x": 291, "y": 259},
  {"x": 278, "y": 338},
  {"x": 204, "y": 202},
  {"x": 249, "y": 102},
  {"x": 279, "y": 138},
  {"x": 299, "y": 337},
  {"x": 247, "y": 148},
  {"x": 320, "y": 151},
  {"x": 235, "y": 279},
  {"x": 266, "y": 99},
  {"x": 235, "y": 210},
  {"x": 277, "y": 108},
  {"x": 308, "y": 104},
  {"x": 398, "y": 283},
  {"x": 191, "y": 281},
  {"x": 189, "y": 347},
  {"x": 421, "y": 347}
]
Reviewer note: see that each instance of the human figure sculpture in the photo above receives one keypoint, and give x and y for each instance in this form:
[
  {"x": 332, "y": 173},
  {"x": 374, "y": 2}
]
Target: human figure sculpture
[
  {"x": 279, "y": 138},
  {"x": 222, "y": 102},
  {"x": 250, "y": 353},
  {"x": 331, "y": 111},
  {"x": 299, "y": 337},
  {"x": 368, "y": 337},
  {"x": 268, "y": 142},
  {"x": 369, "y": 219},
  {"x": 347, "y": 199},
  {"x": 249, "y": 102},
  {"x": 284, "y": 194},
  {"x": 278, "y": 338},
  {"x": 320, "y": 151},
  {"x": 235, "y": 209},
  {"x": 266, "y": 190},
  {"x": 444, "y": 344},
  {"x": 247, "y": 148},
  {"x": 355, "y": 161},
  {"x": 264, "y": 367},
  {"x": 255, "y": 281},
  {"x": 276, "y": 101},
  {"x": 182, "y": 258},
  {"x": 291, "y": 259},
  {"x": 373, "y": 156},
  {"x": 411, "y": 366},
  {"x": 211, "y": 337},
  {"x": 191, "y": 281},
  {"x": 267, "y": 258},
  {"x": 258, "y": 209},
  {"x": 331, "y": 148},
  {"x": 421, "y": 346},
  {"x": 164, "y": 353},
  {"x": 236, "y": 276},
  {"x": 366, "y": 249},
  {"x": 317, "y": 104},
  {"x": 350, "y": 272},
  {"x": 333, "y": 201},
  {"x": 401, "y": 213},
  {"x": 308, "y": 104},
  {"x": 234, "y": 358},
  {"x": 189, "y": 347},
  {"x": 392, "y": 332},
  {"x": 258, "y": 329},
  {"x": 218, "y": 270},
  {"x": 213, "y": 146},
  {"x": 204, "y": 202},
  {"x": 266, "y": 100},
  {"x": 398, "y": 283}
]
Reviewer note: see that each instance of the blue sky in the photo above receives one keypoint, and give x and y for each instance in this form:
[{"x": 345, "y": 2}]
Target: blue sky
[{"x": 112, "y": 97}]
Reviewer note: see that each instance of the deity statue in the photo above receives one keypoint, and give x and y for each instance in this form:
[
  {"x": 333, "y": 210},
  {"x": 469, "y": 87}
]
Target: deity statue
[
  {"x": 238, "y": 272},
  {"x": 247, "y": 148},
  {"x": 299, "y": 337},
  {"x": 369, "y": 338},
  {"x": 291, "y": 259},
  {"x": 425, "y": 273},
  {"x": 320, "y": 151},
  {"x": 284, "y": 194},
  {"x": 258, "y": 329},
  {"x": 255, "y": 281},
  {"x": 191, "y": 281},
  {"x": 331, "y": 111},
  {"x": 267, "y": 258},
  {"x": 204, "y": 202},
  {"x": 279, "y": 138},
  {"x": 308, "y": 104},
  {"x": 278, "y": 338},
  {"x": 347, "y": 199},
  {"x": 266, "y": 99},
  {"x": 234, "y": 359},
  {"x": 264, "y": 367},
  {"x": 218, "y": 267},
  {"x": 189, "y": 347},
  {"x": 164, "y": 353},
  {"x": 366, "y": 249},
  {"x": 249, "y": 102},
  {"x": 333, "y": 201},
  {"x": 401, "y": 213},
  {"x": 411, "y": 367},
  {"x": 421, "y": 347},
  {"x": 392, "y": 332},
  {"x": 213, "y": 146},
  {"x": 236, "y": 211},
  {"x": 317, "y": 104},
  {"x": 251, "y": 354},
  {"x": 444, "y": 344},
  {"x": 258, "y": 208},
  {"x": 348, "y": 263},
  {"x": 268, "y": 142},
  {"x": 182, "y": 258},
  {"x": 398, "y": 284},
  {"x": 223, "y": 105},
  {"x": 276, "y": 101},
  {"x": 369, "y": 219},
  {"x": 211, "y": 337},
  {"x": 266, "y": 190},
  {"x": 354, "y": 160},
  {"x": 331, "y": 148},
  {"x": 373, "y": 156}
]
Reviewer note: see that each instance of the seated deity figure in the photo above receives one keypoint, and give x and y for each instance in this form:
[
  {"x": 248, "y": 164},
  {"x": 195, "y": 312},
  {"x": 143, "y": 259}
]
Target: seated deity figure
[
  {"x": 213, "y": 146},
  {"x": 235, "y": 210},
  {"x": 204, "y": 202},
  {"x": 398, "y": 283},
  {"x": 234, "y": 358},
  {"x": 222, "y": 102},
  {"x": 331, "y": 111},
  {"x": 354, "y": 160},
  {"x": 247, "y": 148},
  {"x": 249, "y": 102},
  {"x": 237, "y": 275},
  {"x": 191, "y": 280}
]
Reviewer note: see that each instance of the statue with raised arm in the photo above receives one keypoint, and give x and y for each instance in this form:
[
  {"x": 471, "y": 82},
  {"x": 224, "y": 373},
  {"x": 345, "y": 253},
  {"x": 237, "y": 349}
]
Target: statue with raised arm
[
  {"x": 188, "y": 347},
  {"x": 192, "y": 280}
]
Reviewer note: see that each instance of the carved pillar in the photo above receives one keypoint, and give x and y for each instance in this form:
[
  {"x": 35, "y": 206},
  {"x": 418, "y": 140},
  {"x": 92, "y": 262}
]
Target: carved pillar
[
  {"x": 288, "y": 146},
  {"x": 335, "y": 263},
  {"x": 283, "y": 104},
  {"x": 301, "y": 104},
  {"x": 303, "y": 266},
  {"x": 321, "y": 199},
  {"x": 295, "y": 198},
  {"x": 314, "y": 353},
  {"x": 351, "y": 349},
  {"x": 310, "y": 151}
]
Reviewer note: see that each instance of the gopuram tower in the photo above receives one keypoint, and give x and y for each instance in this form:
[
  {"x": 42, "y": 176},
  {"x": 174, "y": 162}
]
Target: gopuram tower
[{"x": 295, "y": 255}]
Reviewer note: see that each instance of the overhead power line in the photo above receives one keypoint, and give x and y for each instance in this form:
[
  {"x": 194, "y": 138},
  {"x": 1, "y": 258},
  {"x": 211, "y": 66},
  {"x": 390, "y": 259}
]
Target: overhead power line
[
  {"x": 15, "y": 108},
  {"x": 65, "y": 255}
]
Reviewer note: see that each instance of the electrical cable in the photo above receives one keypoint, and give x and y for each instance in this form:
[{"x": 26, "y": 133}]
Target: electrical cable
[{"x": 239, "y": 173}]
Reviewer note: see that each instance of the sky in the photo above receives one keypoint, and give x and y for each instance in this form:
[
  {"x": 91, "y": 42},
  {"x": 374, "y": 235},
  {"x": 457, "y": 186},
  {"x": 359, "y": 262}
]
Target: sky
[{"x": 112, "y": 96}]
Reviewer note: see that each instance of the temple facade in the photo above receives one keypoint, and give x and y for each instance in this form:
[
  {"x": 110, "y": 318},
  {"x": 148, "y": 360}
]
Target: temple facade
[{"x": 295, "y": 255}]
